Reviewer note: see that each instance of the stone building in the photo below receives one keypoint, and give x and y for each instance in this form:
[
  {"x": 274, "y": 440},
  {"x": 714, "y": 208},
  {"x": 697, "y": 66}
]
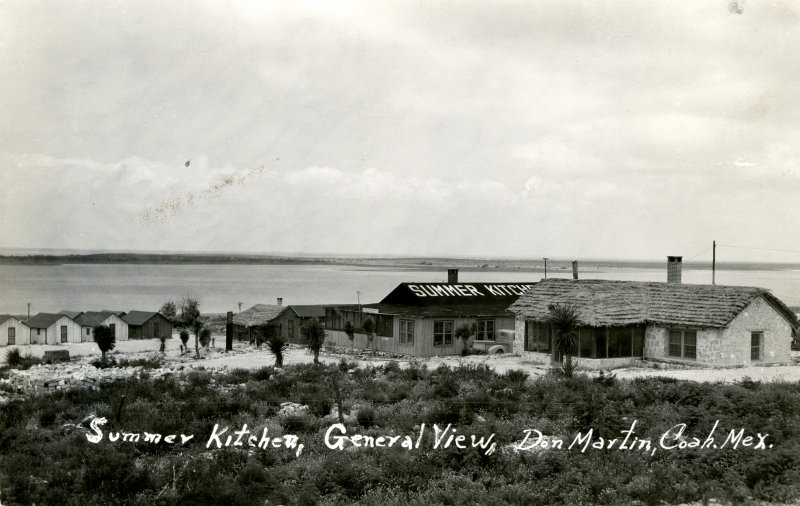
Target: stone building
[{"x": 623, "y": 322}]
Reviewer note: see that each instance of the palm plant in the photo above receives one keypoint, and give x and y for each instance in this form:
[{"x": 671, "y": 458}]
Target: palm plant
[
  {"x": 350, "y": 330},
  {"x": 314, "y": 334},
  {"x": 368, "y": 326},
  {"x": 564, "y": 321}
]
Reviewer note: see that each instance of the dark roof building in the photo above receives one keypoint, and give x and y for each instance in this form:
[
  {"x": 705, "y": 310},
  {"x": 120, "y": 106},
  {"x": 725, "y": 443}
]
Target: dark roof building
[
  {"x": 147, "y": 325},
  {"x": 424, "y": 319}
]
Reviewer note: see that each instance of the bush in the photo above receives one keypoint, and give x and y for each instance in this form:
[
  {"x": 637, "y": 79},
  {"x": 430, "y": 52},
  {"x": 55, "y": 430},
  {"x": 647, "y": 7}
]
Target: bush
[
  {"x": 146, "y": 363},
  {"x": 100, "y": 364},
  {"x": 17, "y": 360},
  {"x": 366, "y": 417}
]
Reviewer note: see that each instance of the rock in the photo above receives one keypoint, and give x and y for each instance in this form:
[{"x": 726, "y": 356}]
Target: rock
[{"x": 291, "y": 408}]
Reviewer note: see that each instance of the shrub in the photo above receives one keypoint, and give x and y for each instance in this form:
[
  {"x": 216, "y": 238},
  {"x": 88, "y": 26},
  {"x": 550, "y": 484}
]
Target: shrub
[
  {"x": 366, "y": 417},
  {"x": 516, "y": 376},
  {"x": 146, "y": 363},
  {"x": 17, "y": 360},
  {"x": 294, "y": 424},
  {"x": 100, "y": 364},
  {"x": 205, "y": 338}
]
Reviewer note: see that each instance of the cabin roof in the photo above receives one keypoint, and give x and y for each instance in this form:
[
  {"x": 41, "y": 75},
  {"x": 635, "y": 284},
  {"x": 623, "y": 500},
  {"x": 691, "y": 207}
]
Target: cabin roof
[
  {"x": 258, "y": 315},
  {"x": 611, "y": 303},
  {"x": 139, "y": 318},
  {"x": 44, "y": 320}
]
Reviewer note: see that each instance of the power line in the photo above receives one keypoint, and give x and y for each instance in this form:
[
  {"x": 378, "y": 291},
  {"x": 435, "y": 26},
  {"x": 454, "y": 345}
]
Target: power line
[{"x": 759, "y": 249}]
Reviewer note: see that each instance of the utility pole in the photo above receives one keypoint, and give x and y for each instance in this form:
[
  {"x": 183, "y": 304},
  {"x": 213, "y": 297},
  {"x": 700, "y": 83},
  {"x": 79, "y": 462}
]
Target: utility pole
[
  {"x": 29, "y": 311},
  {"x": 545, "y": 266},
  {"x": 358, "y": 296},
  {"x": 714, "y": 263},
  {"x": 240, "y": 306}
]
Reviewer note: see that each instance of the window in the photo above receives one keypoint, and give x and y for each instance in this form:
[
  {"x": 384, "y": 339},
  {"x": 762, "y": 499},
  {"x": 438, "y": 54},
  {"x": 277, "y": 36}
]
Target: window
[
  {"x": 38, "y": 332},
  {"x": 537, "y": 337},
  {"x": 156, "y": 328},
  {"x": 442, "y": 332},
  {"x": 638, "y": 341},
  {"x": 682, "y": 344},
  {"x": 406, "y": 331},
  {"x": 63, "y": 333},
  {"x": 586, "y": 342},
  {"x": 113, "y": 328},
  {"x": 485, "y": 330},
  {"x": 87, "y": 331},
  {"x": 756, "y": 343},
  {"x": 290, "y": 324},
  {"x": 12, "y": 335}
]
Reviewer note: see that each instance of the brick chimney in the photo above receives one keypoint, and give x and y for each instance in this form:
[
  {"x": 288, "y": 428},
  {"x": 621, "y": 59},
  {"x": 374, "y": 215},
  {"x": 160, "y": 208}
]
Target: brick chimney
[
  {"x": 674, "y": 268},
  {"x": 280, "y": 300},
  {"x": 452, "y": 276}
]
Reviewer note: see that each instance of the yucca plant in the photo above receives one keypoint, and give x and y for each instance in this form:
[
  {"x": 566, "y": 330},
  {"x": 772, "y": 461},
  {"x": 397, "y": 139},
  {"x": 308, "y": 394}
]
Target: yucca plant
[{"x": 564, "y": 321}]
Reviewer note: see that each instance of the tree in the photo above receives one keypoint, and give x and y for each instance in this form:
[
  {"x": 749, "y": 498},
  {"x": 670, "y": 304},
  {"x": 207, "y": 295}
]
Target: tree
[
  {"x": 169, "y": 311},
  {"x": 350, "y": 330},
  {"x": 314, "y": 333},
  {"x": 368, "y": 326},
  {"x": 564, "y": 321},
  {"x": 105, "y": 339},
  {"x": 184, "y": 338},
  {"x": 464, "y": 332},
  {"x": 190, "y": 319},
  {"x": 205, "y": 338}
]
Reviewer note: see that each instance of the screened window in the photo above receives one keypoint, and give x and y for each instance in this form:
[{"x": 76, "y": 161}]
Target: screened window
[
  {"x": 12, "y": 335},
  {"x": 63, "y": 333},
  {"x": 586, "y": 342},
  {"x": 756, "y": 344},
  {"x": 406, "y": 331},
  {"x": 485, "y": 330},
  {"x": 537, "y": 337},
  {"x": 442, "y": 332},
  {"x": 683, "y": 344}
]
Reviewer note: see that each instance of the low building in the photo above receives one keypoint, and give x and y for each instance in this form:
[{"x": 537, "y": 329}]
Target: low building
[
  {"x": 623, "y": 322},
  {"x": 52, "y": 328},
  {"x": 13, "y": 331},
  {"x": 423, "y": 319},
  {"x": 255, "y": 323},
  {"x": 147, "y": 325},
  {"x": 91, "y": 319}
]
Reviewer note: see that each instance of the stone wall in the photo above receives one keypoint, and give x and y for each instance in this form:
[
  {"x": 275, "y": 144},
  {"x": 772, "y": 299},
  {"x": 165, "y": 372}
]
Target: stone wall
[
  {"x": 759, "y": 316},
  {"x": 731, "y": 346}
]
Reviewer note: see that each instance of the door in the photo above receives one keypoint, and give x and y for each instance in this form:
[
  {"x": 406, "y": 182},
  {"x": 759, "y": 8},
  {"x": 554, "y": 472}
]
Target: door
[
  {"x": 63, "y": 333},
  {"x": 113, "y": 328}
]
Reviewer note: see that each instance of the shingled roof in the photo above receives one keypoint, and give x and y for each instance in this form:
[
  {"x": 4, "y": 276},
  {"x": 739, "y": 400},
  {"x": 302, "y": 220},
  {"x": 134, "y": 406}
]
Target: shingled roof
[
  {"x": 608, "y": 303},
  {"x": 92, "y": 318},
  {"x": 44, "y": 320},
  {"x": 308, "y": 311},
  {"x": 258, "y": 315},
  {"x": 139, "y": 318}
]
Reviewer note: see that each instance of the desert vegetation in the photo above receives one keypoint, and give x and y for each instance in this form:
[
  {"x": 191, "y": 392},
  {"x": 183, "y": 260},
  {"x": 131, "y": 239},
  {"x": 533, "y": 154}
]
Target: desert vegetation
[{"x": 45, "y": 457}]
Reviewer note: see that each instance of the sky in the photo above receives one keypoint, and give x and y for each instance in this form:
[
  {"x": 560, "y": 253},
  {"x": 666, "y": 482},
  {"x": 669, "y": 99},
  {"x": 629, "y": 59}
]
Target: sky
[{"x": 566, "y": 129}]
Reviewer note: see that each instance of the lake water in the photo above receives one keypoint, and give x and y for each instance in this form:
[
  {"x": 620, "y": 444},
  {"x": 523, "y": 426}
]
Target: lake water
[{"x": 125, "y": 287}]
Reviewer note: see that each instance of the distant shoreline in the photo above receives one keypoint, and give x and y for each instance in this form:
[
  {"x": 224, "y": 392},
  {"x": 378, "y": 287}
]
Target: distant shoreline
[{"x": 466, "y": 264}]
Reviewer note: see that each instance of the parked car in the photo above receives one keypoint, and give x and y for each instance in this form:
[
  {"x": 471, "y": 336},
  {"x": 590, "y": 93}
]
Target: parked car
[{"x": 504, "y": 343}]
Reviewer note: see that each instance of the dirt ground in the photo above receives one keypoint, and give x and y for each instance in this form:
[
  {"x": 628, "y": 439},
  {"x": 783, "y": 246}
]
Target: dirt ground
[{"x": 247, "y": 357}]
